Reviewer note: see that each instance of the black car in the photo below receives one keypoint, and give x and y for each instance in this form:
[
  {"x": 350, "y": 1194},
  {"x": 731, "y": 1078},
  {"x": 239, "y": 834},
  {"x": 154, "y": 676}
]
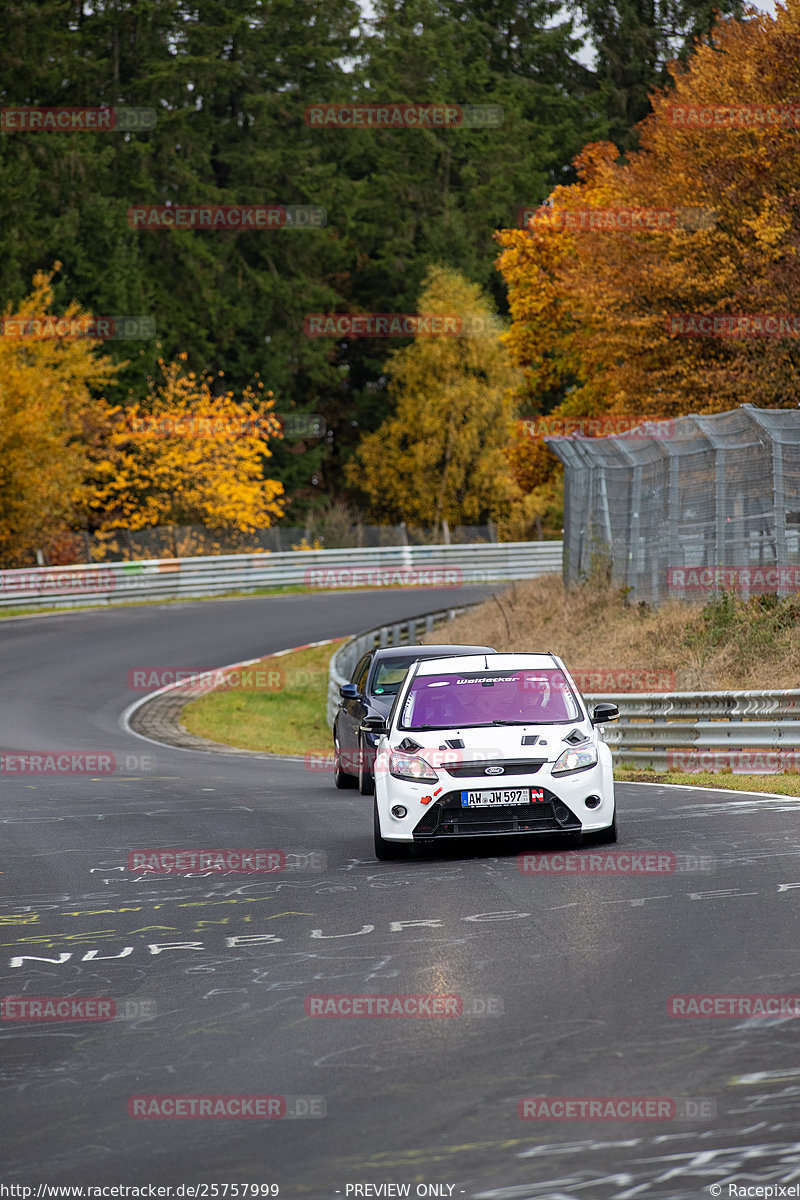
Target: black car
[{"x": 370, "y": 693}]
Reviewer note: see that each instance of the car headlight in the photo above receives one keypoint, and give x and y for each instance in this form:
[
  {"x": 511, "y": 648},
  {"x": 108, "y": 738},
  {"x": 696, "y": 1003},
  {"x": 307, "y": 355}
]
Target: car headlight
[
  {"x": 407, "y": 766},
  {"x": 574, "y": 759}
]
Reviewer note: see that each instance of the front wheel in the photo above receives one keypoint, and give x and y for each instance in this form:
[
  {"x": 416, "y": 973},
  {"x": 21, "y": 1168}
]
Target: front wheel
[
  {"x": 340, "y": 777},
  {"x": 386, "y": 850},
  {"x": 366, "y": 780},
  {"x": 603, "y": 837}
]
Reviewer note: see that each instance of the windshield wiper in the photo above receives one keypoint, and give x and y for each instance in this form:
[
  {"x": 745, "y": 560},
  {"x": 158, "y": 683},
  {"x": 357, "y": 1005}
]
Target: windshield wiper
[
  {"x": 418, "y": 727},
  {"x": 479, "y": 725},
  {"x": 468, "y": 725}
]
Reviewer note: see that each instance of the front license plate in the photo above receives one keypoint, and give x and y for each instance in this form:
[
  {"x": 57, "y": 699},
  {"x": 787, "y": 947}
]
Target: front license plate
[{"x": 503, "y": 796}]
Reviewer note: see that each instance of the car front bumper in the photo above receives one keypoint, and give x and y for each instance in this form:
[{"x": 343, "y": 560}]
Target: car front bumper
[{"x": 578, "y": 803}]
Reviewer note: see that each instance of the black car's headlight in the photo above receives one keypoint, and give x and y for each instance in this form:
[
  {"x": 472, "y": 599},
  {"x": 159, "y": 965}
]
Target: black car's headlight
[
  {"x": 411, "y": 767},
  {"x": 574, "y": 759}
]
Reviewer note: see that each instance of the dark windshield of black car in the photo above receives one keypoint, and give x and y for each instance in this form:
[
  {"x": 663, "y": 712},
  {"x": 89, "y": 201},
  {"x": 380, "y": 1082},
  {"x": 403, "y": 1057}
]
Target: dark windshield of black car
[{"x": 389, "y": 675}]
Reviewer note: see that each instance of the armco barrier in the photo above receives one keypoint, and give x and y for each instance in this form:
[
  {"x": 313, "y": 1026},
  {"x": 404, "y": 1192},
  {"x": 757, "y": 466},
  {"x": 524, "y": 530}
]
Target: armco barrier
[
  {"x": 400, "y": 633},
  {"x": 654, "y": 728},
  {"x": 214, "y": 575}
]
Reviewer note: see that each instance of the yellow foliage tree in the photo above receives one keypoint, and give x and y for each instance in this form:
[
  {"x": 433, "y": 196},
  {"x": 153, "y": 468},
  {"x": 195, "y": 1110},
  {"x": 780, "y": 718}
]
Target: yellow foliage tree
[
  {"x": 46, "y": 403},
  {"x": 441, "y": 455},
  {"x": 186, "y": 456}
]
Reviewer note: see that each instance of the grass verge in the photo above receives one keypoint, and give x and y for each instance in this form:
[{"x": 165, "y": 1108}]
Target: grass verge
[{"x": 289, "y": 718}]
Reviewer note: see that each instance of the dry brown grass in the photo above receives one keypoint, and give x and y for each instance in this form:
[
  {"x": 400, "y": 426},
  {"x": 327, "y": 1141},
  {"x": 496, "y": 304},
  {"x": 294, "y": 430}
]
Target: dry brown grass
[{"x": 592, "y": 628}]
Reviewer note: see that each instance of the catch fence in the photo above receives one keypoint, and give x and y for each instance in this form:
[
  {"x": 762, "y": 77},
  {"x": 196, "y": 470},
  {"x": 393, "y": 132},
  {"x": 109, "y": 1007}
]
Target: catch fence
[{"x": 687, "y": 507}]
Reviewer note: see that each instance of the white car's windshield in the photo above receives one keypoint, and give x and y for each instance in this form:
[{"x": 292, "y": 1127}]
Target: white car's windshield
[{"x": 527, "y": 696}]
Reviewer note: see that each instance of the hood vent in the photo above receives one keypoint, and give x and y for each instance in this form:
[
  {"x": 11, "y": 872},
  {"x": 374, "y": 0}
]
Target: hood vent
[{"x": 575, "y": 737}]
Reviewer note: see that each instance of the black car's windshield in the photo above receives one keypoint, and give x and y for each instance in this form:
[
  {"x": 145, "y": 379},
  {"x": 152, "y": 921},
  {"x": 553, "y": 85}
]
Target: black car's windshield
[
  {"x": 389, "y": 675},
  {"x": 535, "y": 696}
]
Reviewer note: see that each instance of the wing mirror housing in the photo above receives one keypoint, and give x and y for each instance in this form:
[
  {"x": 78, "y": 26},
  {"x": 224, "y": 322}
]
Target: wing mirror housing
[
  {"x": 374, "y": 725},
  {"x": 349, "y": 691},
  {"x": 606, "y": 711}
]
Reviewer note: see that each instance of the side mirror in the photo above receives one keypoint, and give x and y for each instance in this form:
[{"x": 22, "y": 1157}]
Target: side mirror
[
  {"x": 605, "y": 712},
  {"x": 349, "y": 691},
  {"x": 375, "y": 725}
]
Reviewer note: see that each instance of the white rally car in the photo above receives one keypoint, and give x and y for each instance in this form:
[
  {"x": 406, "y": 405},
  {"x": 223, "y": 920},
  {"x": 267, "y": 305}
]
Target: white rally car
[{"x": 485, "y": 745}]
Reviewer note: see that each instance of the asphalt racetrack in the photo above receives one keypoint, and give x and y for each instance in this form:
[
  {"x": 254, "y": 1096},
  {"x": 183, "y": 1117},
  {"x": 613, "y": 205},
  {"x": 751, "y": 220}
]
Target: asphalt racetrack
[{"x": 563, "y": 980}]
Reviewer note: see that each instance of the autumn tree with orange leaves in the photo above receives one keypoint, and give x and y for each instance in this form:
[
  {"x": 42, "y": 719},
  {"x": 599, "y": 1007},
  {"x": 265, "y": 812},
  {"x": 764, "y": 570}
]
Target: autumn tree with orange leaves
[{"x": 715, "y": 190}]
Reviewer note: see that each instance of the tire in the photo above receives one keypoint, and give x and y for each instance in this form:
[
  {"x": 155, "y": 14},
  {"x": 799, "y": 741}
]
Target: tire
[
  {"x": 340, "y": 777},
  {"x": 603, "y": 837},
  {"x": 366, "y": 779},
  {"x": 386, "y": 850}
]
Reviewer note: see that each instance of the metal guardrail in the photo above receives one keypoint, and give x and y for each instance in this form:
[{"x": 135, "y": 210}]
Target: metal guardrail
[
  {"x": 451, "y": 566},
  {"x": 399, "y": 633},
  {"x": 656, "y": 729},
  {"x": 689, "y": 730}
]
